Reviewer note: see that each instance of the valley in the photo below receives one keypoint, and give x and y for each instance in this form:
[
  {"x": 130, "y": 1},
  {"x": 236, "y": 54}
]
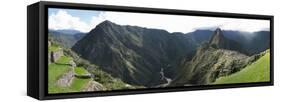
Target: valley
[{"x": 115, "y": 57}]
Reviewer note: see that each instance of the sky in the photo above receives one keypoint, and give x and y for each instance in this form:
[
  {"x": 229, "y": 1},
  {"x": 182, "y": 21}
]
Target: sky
[{"x": 86, "y": 20}]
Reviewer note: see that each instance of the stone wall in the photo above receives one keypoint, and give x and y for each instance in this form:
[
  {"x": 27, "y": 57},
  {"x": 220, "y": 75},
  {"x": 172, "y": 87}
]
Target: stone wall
[
  {"x": 66, "y": 79},
  {"x": 55, "y": 55}
]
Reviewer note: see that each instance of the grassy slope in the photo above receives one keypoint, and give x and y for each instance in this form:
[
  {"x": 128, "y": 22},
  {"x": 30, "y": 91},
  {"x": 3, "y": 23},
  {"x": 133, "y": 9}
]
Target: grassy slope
[
  {"x": 53, "y": 48},
  {"x": 258, "y": 71},
  {"x": 80, "y": 71}
]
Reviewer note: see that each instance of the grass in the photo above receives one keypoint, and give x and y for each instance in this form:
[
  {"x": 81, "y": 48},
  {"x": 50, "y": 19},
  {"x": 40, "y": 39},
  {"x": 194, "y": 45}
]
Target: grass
[
  {"x": 53, "y": 48},
  {"x": 79, "y": 84},
  {"x": 64, "y": 60},
  {"x": 76, "y": 86},
  {"x": 55, "y": 71},
  {"x": 258, "y": 71},
  {"x": 80, "y": 71}
]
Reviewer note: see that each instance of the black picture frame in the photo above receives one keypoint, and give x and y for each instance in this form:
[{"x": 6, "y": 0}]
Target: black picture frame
[{"x": 37, "y": 31}]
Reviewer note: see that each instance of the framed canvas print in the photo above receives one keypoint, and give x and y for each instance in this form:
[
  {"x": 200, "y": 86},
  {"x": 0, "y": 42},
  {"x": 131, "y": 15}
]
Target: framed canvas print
[{"x": 82, "y": 50}]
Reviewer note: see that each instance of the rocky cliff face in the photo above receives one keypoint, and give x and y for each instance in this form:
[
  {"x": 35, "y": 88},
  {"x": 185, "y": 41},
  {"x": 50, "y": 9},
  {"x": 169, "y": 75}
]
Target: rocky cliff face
[{"x": 218, "y": 40}]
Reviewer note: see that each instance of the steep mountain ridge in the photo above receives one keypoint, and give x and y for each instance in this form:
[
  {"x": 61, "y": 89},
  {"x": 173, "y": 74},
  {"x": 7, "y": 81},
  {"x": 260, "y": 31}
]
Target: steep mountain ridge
[{"x": 138, "y": 52}]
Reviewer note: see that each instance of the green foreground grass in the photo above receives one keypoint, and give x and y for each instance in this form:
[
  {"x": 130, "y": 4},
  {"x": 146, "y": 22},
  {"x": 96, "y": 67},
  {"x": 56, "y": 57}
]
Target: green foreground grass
[
  {"x": 80, "y": 71},
  {"x": 258, "y": 71}
]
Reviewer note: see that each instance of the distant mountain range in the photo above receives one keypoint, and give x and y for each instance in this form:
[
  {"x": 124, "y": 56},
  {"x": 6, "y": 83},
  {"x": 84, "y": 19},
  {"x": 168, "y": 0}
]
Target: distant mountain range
[
  {"x": 153, "y": 57},
  {"x": 67, "y": 38},
  {"x": 68, "y": 31}
]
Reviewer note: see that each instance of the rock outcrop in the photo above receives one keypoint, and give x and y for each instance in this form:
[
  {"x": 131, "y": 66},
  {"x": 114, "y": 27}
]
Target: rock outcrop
[
  {"x": 94, "y": 86},
  {"x": 72, "y": 63},
  {"x": 219, "y": 41}
]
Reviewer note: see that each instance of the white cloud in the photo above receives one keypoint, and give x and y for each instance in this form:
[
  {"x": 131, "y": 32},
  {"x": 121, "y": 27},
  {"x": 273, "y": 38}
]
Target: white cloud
[
  {"x": 171, "y": 23},
  {"x": 97, "y": 20},
  {"x": 62, "y": 20},
  {"x": 179, "y": 23}
]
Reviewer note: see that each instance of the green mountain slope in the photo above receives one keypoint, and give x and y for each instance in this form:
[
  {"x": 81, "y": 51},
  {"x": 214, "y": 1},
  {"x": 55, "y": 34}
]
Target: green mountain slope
[
  {"x": 134, "y": 54},
  {"x": 258, "y": 71}
]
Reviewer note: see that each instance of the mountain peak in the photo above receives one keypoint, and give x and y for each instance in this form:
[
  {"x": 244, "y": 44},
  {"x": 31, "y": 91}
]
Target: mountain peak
[
  {"x": 217, "y": 33},
  {"x": 103, "y": 25},
  {"x": 217, "y": 39},
  {"x": 218, "y": 30},
  {"x": 106, "y": 22}
]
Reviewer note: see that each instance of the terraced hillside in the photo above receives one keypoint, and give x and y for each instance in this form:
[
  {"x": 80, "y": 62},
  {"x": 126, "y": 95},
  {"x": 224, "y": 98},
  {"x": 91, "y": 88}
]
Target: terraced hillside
[
  {"x": 258, "y": 71},
  {"x": 61, "y": 75},
  {"x": 69, "y": 73}
]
